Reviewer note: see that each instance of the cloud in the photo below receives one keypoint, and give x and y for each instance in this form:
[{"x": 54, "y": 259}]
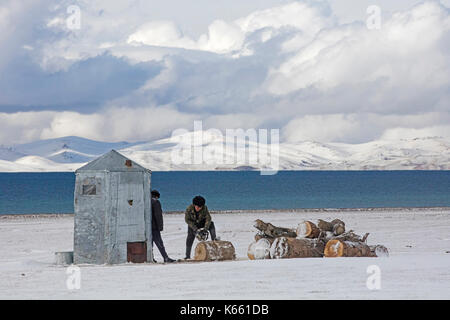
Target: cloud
[
  {"x": 228, "y": 37},
  {"x": 333, "y": 127},
  {"x": 363, "y": 127},
  {"x": 389, "y": 59},
  {"x": 412, "y": 133},
  {"x": 23, "y": 126},
  {"x": 160, "y": 34},
  {"x": 113, "y": 124},
  {"x": 85, "y": 86},
  {"x": 127, "y": 74}
]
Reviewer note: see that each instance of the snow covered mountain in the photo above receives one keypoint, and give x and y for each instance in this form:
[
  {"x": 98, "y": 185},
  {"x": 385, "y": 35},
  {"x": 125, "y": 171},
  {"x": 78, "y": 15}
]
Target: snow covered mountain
[{"x": 70, "y": 153}]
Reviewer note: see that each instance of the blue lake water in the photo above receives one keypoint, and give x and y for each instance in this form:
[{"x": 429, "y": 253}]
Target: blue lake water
[{"x": 27, "y": 193}]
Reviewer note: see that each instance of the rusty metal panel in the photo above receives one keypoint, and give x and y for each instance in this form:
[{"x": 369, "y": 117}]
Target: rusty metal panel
[{"x": 136, "y": 252}]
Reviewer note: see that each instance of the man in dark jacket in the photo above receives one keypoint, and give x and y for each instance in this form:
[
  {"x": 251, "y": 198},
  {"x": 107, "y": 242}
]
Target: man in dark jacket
[
  {"x": 198, "y": 220},
  {"x": 157, "y": 226}
]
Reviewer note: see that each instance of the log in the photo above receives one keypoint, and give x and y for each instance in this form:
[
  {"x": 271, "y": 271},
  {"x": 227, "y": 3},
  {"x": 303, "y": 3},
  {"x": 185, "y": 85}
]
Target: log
[
  {"x": 259, "y": 249},
  {"x": 283, "y": 248},
  {"x": 379, "y": 251},
  {"x": 262, "y": 236},
  {"x": 339, "y": 248},
  {"x": 324, "y": 225},
  {"x": 272, "y": 231},
  {"x": 336, "y": 226},
  {"x": 307, "y": 229},
  {"x": 251, "y": 251},
  {"x": 214, "y": 251},
  {"x": 351, "y": 236}
]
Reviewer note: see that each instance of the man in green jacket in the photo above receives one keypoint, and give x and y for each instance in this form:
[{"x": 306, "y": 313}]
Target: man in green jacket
[{"x": 198, "y": 220}]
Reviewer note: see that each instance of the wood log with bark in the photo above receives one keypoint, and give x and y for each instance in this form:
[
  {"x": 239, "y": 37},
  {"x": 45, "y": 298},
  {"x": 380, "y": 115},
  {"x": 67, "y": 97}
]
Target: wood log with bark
[
  {"x": 284, "y": 247},
  {"x": 272, "y": 231},
  {"x": 309, "y": 240},
  {"x": 214, "y": 251},
  {"x": 336, "y": 226},
  {"x": 307, "y": 229},
  {"x": 341, "y": 248},
  {"x": 351, "y": 236},
  {"x": 263, "y": 236},
  {"x": 379, "y": 251}
]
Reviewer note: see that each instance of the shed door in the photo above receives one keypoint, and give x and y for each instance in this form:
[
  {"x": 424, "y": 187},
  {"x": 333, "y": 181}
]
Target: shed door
[
  {"x": 137, "y": 252},
  {"x": 131, "y": 225}
]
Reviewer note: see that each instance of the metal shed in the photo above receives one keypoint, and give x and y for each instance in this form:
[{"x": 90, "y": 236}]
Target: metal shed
[{"x": 112, "y": 211}]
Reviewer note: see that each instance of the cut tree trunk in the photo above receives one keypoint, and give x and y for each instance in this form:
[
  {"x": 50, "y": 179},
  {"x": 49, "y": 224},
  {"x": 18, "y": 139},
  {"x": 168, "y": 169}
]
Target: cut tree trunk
[
  {"x": 336, "y": 226},
  {"x": 214, "y": 251},
  {"x": 339, "y": 248},
  {"x": 251, "y": 251},
  {"x": 350, "y": 236},
  {"x": 284, "y": 248},
  {"x": 379, "y": 251},
  {"x": 259, "y": 249},
  {"x": 263, "y": 236},
  {"x": 324, "y": 225},
  {"x": 307, "y": 229},
  {"x": 272, "y": 231}
]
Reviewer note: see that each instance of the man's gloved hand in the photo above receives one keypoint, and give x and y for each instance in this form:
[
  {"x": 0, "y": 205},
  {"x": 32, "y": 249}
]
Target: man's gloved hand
[{"x": 202, "y": 234}]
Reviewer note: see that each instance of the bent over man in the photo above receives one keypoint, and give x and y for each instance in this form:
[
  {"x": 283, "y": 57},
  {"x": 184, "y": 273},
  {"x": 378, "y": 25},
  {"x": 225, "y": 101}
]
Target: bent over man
[{"x": 198, "y": 220}]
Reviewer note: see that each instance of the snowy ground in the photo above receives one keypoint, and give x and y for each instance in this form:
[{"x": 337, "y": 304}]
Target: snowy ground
[{"x": 418, "y": 267}]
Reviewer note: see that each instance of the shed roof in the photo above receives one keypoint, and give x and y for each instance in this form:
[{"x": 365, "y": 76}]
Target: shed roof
[{"x": 112, "y": 161}]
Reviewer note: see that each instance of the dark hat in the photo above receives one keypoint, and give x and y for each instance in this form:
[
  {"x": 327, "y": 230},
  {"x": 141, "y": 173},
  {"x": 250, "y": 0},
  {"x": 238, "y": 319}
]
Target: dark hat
[
  {"x": 198, "y": 201},
  {"x": 155, "y": 193}
]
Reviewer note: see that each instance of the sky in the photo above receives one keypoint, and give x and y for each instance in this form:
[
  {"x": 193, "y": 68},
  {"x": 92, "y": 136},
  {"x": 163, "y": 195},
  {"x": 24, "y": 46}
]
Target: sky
[{"x": 328, "y": 71}]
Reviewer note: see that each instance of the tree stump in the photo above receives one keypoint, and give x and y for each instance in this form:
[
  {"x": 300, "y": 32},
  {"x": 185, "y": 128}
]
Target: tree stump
[
  {"x": 259, "y": 249},
  {"x": 214, "y": 251},
  {"x": 283, "y": 248},
  {"x": 307, "y": 229},
  {"x": 339, "y": 248},
  {"x": 272, "y": 231}
]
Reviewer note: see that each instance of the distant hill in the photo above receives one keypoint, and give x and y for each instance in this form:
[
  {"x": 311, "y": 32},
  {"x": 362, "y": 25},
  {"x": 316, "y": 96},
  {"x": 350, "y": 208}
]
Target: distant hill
[{"x": 70, "y": 153}]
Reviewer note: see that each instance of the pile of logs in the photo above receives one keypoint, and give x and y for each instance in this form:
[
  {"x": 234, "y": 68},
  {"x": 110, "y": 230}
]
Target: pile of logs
[{"x": 308, "y": 240}]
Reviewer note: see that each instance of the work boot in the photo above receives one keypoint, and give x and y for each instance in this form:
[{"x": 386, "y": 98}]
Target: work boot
[{"x": 168, "y": 260}]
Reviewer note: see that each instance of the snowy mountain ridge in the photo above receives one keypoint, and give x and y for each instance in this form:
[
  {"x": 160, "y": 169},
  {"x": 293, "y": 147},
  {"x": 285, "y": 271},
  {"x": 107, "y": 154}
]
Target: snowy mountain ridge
[{"x": 70, "y": 153}]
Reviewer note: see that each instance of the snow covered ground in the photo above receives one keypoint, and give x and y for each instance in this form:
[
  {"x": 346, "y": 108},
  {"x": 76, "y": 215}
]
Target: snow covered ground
[{"x": 418, "y": 266}]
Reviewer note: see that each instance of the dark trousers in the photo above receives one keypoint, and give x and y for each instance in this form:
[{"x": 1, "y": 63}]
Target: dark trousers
[
  {"x": 191, "y": 237},
  {"x": 156, "y": 238}
]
